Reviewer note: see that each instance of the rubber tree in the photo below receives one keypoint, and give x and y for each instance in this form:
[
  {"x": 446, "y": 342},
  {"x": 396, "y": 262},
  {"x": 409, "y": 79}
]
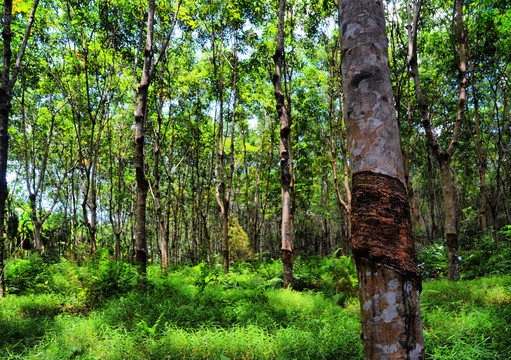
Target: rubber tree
[
  {"x": 9, "y": 78},
  {"x": 336, "y": 95},
  {"x": 286, "y": 174},
  {"x": 382, "y": 238},
  {"x": 443, "y": 155},
  {"x": 140, "y": 112}
]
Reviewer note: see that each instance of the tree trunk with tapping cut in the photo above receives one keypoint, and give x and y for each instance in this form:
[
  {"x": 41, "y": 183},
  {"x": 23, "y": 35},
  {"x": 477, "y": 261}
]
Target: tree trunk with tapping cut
[{"x": 382, "y": 239}]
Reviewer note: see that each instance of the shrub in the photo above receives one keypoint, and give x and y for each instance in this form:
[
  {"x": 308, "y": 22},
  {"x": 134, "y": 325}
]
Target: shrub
[
  {"x": 489, "y": 256},
  {"x": 432, "y": 260},
  {"x": 107, "y": 279},
  {"x": 26, "y": 275}
]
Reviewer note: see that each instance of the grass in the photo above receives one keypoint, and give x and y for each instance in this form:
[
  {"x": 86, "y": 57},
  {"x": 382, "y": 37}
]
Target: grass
[
  {"x": 199, "y": 313},
  {"x": 468, "y": 319}
]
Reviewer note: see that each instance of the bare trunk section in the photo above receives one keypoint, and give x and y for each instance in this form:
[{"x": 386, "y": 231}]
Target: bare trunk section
[
  {"x": 286, "y": 173},
  {"x": 383, "y": 243},
  {"x": 451, "y": 233}
]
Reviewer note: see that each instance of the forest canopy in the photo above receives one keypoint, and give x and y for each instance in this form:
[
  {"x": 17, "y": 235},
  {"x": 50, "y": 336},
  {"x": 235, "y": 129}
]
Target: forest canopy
[{"x": 210, "y": 137}]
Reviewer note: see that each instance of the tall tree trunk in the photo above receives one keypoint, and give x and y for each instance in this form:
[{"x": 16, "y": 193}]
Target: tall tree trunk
[
  {"x": 480, "y": 152},
  {"x": 148, "y": 70},
  {"x": 142, "y": 184},
  {"x": 116, "y": 214},
  {"x": 412, "y": 198},
  {"x": 383, "y": 243},
  {"x": 344, "y": 205},
  {"x": 8, "y": 81},
  {"x": 223, "y": 180},
  {"x": 155, "y": 189},
  {"x": 443, "y": 156},
  {"x": 259, "y": 210},
  {"x": 286, "y": 174}
]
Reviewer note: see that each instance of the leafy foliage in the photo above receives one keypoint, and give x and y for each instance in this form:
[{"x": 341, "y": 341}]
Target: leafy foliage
[
  {"x": 488, "y": 256},
  {"x": 239, "y": 245},
  {"x": 107, "y": 279},
  {"x": 24, "y": 275},
  {"x": 432, "y": 260}
]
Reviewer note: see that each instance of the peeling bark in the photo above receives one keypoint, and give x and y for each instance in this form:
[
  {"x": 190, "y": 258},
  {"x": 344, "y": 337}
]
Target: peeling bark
[
  {"x": 381, "y": 230},
  {"x": 389, "y": 281}
]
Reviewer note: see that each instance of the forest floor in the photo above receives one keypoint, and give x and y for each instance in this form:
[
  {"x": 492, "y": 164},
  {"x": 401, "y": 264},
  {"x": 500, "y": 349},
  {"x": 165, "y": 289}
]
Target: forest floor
[{"x": 63, "y": 311}]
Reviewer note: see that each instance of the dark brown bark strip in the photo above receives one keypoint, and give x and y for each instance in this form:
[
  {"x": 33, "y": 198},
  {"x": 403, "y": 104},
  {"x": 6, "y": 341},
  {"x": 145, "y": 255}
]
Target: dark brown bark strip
[
  {"x": 381, "y": 230},
  {"x": 389, "y": 281}
]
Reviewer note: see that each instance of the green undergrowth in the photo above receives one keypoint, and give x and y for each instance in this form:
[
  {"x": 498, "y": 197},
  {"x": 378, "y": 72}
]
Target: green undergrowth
[
  {"x": 94, "y": 312},
  {"x": 468, "y": 319}
]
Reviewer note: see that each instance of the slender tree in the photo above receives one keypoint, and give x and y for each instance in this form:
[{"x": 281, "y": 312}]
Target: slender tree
[
  {"x": 383, "y": 243},
  {"x": 148, "y": 71},
  {"x": 335, "y": 94},
  {"x": 259, "y": 210},
  {"x": 38, "y": 162},
  {"x": 444, "y": 156},
  {"x": 223, "y": 177},
  {"x": 140, "y": 176},
  {"x": 9, "y": 78},
  {"x": 482, "y": 161},
  {"x": 286, "y": 175}
]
